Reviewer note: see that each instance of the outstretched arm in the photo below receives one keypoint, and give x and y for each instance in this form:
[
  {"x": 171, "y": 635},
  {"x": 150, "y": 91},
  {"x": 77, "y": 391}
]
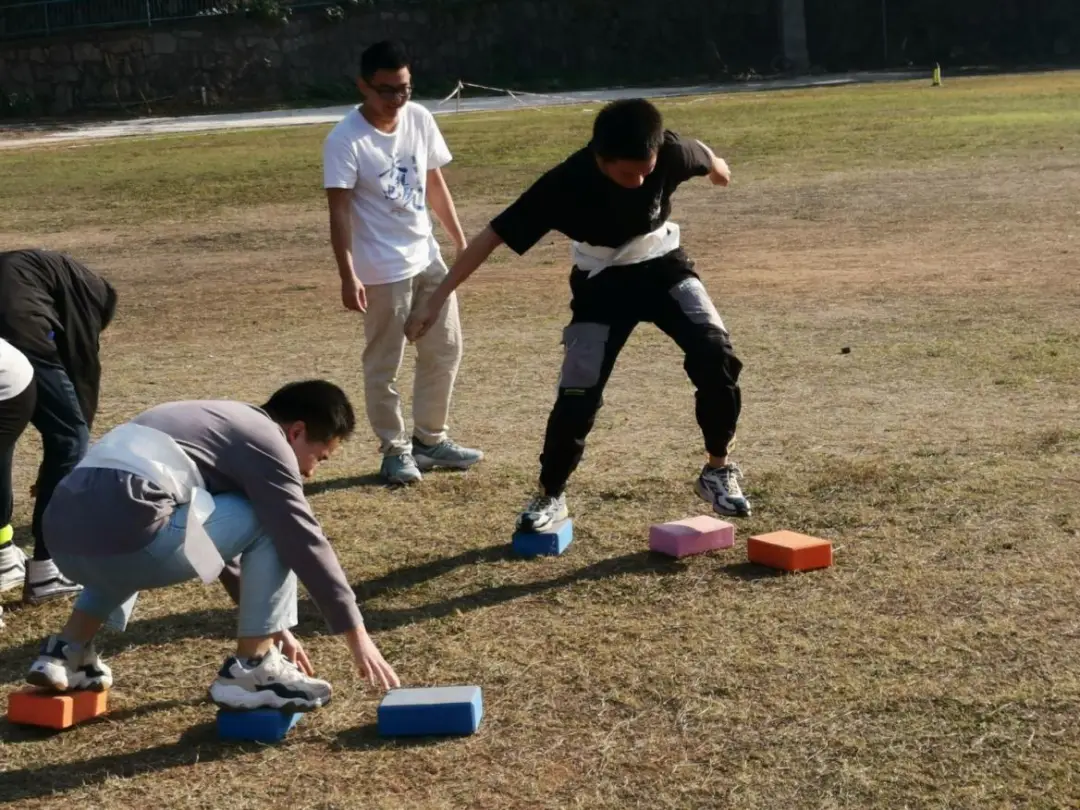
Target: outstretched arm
[
  {"x": 719, "y": 172},
  {"x": 467, "y": 263}
]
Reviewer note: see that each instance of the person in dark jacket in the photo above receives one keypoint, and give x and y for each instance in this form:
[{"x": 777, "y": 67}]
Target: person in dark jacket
[{"x": 53, "y": 310}]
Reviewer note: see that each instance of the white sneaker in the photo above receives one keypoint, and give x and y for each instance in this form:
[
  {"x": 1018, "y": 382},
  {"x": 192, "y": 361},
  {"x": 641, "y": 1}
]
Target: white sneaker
[
  {"x": 542, "y": 512},
  {"x": 44, "y": 582},
  {"x": 62, "y": 669},
  {"x": 719, "y": 486},
  {"x": 274, "y": 682},
  {"x": 12, "y": 567}
]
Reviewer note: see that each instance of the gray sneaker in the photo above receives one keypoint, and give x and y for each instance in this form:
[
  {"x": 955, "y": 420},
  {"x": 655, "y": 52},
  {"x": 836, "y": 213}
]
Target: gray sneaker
[
  {"x": 444, "y": 454},
  {"x": 400, "y": 469}
]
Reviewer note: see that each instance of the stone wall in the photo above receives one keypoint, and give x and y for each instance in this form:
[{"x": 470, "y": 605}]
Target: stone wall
[{"x": 527, "y": 44}]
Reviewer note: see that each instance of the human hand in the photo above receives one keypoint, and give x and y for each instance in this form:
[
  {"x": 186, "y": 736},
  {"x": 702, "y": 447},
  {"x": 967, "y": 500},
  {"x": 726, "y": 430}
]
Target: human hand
[
  {"x": 721, "y": 172},
  {"x": 369, "y": 661},
  {"x": 421, "y": 319},
  {"x": 294, "y": 651},
  {"x": 353, "y": 294}
]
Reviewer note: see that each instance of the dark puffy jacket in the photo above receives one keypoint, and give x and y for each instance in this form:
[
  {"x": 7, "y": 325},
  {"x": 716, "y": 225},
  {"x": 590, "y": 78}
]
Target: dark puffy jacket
[{"x": 54, "y": 310}]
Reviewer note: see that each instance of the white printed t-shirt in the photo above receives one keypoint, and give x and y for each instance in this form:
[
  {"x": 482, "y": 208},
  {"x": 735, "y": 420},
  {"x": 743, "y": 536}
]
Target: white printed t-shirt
[{"x": 392, "y": 237}]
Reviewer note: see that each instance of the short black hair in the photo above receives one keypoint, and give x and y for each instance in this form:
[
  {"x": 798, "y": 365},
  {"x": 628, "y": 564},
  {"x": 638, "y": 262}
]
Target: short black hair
[
  {"x": 324, "y": 409},
  {"x": 628, "y": 129},
  {"x": 385, "y": 55}
]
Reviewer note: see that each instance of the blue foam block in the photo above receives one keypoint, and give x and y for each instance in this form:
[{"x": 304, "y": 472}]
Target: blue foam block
[
  {"x": 550, "y": 543},
  {"x": 441, "y": 710},
  {"x": 260, "y": 725}
]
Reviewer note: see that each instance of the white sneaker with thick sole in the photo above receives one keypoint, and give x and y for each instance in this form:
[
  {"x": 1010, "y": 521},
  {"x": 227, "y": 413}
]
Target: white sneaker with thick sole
[
  {"x": 62, "y": 668},
  {"x": 719, "y": 486},
  {"x": 44, "y": 582},
  {"x": 274, "y": 682},
  {"x": 12, "y": 567},
  {"x": 542, "y": 512}
]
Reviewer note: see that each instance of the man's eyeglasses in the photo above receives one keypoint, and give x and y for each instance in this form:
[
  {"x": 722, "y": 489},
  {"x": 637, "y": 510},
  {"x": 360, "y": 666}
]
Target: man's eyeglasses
[{"x": 390, "y": 93}]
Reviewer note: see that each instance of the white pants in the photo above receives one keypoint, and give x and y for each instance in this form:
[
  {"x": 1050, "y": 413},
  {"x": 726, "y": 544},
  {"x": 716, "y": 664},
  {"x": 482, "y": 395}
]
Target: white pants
[{"x": 438, "y": 355}]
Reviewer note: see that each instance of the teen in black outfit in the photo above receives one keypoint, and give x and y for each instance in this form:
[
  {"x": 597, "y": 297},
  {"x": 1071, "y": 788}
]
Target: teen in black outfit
[{"x": 613, "y": 199}]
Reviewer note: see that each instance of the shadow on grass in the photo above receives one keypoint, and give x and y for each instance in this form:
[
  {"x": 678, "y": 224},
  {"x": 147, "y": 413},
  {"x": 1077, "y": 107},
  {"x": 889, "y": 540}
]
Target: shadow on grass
[
  {"x": 10, "y": 734},
  {"x": 639, "y": 563},
  {"x": 370, "y": 480},
  {"x": 200, "y": 744},
  {"x": 219, "y": 623},
  {"x": 366, "y": 738},
  {"x": 411, "y": 575},
  {"x": 197, "y": 744},
  {"x": 749, "y": 572},
  {"x": 366, "y": 481}
]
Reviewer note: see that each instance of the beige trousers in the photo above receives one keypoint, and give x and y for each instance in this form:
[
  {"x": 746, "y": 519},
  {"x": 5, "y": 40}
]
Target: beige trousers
[{"x": 438, "y": 355}]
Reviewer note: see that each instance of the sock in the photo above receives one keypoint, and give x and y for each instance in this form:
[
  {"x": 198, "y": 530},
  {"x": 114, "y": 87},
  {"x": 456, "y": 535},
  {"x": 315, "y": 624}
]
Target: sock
[{"x": 6, "y": 535}]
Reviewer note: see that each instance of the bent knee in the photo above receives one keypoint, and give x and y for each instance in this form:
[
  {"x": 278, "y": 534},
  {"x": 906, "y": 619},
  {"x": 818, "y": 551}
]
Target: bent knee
[
  {"x": 694, "y": 301},
  {"x": 713, "y": 353}
]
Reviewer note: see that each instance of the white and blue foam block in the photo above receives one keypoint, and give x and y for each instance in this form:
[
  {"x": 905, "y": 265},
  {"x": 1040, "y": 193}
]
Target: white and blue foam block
[
  {"x": 259, "y": 725},
  {"x": 550, "y": 543},
  {"x": 440, "y": 710}
]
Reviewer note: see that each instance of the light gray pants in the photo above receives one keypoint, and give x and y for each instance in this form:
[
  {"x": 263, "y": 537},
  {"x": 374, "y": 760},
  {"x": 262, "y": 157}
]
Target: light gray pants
[
  {"x": 267, "y": 587},
  {"x": 438, "y": 355}
]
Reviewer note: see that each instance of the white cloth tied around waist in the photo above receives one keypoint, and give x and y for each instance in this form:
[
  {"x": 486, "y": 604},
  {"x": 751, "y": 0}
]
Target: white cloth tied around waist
[
  {"x": 639, "y": 249},
  {"x": 155, "y": 456}
]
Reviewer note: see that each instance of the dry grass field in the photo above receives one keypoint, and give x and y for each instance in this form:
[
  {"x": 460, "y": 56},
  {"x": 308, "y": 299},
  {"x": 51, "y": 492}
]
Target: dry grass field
[{"x": 935, "y": 232}]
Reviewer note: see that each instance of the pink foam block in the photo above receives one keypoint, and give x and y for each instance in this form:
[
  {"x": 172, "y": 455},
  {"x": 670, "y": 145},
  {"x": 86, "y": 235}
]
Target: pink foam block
[{"x": 695, "y": 535}]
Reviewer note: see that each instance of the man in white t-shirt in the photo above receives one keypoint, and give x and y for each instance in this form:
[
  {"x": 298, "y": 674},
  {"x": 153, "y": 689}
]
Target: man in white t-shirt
[{"x": 381, "y": 171}]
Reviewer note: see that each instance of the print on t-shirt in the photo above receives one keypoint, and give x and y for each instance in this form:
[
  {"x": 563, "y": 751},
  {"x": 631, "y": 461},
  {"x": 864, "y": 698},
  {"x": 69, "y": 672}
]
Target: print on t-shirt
[{"x": 402, "y": 185}]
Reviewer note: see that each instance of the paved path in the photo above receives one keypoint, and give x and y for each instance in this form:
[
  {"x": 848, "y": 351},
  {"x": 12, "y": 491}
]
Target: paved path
[{"x": 507, "y": 101}]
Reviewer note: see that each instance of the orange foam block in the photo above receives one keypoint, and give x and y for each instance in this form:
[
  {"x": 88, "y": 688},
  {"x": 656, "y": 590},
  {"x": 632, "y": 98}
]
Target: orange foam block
[
  {"x": 789, "y": 551},
  {"x": 695, "y": 535},
  {"x": 59, "y": 710}
]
